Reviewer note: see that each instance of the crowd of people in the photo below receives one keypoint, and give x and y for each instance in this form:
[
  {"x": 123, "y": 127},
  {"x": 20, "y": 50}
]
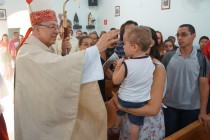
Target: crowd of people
[{"x": 60, "y": 82}]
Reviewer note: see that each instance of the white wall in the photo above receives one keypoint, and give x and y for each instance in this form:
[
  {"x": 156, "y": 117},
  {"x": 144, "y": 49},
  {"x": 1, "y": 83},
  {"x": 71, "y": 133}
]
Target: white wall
[
  {"x": 20, "y": 20},
  {"x": 145, "y": 12},
  {"x": 148, "y": 12},
  {"x": 82, "y": 12},
  {"x": 3, "y": 28},
  {"x": 17, "y": 14},
  {"x": 3, "y": 25}
]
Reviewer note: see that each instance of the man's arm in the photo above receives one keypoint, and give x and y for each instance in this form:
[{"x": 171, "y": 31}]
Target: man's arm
[
  {"x": 65, "y": 46},
  {"x": 92, "y": 69},
  {"x": 204, "y": 93}
]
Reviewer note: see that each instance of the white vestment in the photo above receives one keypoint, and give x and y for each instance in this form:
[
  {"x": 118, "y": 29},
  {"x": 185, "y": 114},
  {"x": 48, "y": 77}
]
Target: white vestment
[
  {"x": 3, "y": 92},
  {"x": 50, "y": 101},
  {"x": 58, "y": 44}
]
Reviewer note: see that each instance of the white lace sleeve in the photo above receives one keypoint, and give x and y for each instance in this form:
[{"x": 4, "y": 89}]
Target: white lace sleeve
[{"x": 92, "y": 70}]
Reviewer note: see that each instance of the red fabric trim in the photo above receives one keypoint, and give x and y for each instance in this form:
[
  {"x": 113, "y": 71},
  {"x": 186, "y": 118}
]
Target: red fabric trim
[
  {"x": 42, "y": 16},
  {"x": 28, "y": 1},
  {"x": 24, "y": 39},
  {"x": 3, "y": 129},
  {"x": 206, "y": 50}
]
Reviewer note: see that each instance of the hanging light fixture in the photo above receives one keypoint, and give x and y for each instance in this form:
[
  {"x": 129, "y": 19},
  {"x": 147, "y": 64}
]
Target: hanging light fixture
[{"x": 2, "y": 2}]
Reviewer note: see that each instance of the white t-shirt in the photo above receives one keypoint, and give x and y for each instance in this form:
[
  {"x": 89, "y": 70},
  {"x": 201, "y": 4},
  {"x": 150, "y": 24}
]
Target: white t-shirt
[
  {"x": 92, "y": 70},
  {"x": 138, "y": 79}
]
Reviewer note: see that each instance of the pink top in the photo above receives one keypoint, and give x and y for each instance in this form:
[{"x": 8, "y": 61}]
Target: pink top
[
  {"x": 13, "y": 44},
  {"x": 4, "y": 44}
]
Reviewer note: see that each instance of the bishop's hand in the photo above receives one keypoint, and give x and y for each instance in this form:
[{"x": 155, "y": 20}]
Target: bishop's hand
[
  {"x": 66, "y": 46},
  {"x": 107, "y": 40}
]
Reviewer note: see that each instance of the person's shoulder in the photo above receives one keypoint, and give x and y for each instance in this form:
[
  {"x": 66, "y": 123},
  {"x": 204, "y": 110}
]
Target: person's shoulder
[
  {"x": 11, "y": 41},
  {"x": 200, "y": 52},
  {"x": 73, "y": 38},
  {"x": 172, "y": 52},
  {"x": 159, "y": 68},
  {"x": 169, "y": 55},
  {"x": 156, "y": 62}
]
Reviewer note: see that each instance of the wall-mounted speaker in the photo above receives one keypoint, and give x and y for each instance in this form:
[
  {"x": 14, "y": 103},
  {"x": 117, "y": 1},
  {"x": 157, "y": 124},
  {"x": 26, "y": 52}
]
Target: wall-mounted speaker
[{"x": 92, "y": 3}]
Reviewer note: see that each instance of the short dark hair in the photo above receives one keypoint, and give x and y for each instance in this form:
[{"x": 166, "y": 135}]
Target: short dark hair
[
  {"x": 131, "y": 22},
  {"x": 168, "y": 40},
  {"x": 122, "y": 31},
  {"x": 15, "y": 33},
  {"x": 113, "y": 29},
  {"x": 4, "y": 36},
  {"x": 78, "y": 31},
  {"x": 82, "y": 38},
  {"x": 203, "y": 37},
  {"x": 85, "y": 33},
  {"x": 189, "y": 26},
  {"x": 94, "y": 32},
  {"x": 172, "y": 38},
  {"x": 122, "y": 28}
]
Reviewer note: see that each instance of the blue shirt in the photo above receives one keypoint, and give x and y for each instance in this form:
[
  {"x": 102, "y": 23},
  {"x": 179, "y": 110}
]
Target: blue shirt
[{"x": 119, "y": 50}]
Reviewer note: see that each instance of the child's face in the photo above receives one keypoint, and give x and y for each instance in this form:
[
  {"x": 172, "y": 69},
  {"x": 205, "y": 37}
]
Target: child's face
[{"x": 128, "y": 48}]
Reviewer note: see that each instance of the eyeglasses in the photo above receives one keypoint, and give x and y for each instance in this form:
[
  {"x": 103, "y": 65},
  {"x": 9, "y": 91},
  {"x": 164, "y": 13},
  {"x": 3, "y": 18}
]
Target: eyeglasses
[
  {"x": 182, "y": 35},
  {"x": 52, "y": 27}
]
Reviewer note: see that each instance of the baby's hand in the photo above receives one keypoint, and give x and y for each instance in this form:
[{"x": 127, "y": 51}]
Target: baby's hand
[{"x": 120, "y": 61}]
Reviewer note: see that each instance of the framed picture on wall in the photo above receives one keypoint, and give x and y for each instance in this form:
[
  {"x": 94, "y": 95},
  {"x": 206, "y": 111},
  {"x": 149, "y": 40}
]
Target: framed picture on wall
[
  {"x": 117, "y": 11},
  {"x": 165, "y": 4},
  {"x": 3, "y": 14}
]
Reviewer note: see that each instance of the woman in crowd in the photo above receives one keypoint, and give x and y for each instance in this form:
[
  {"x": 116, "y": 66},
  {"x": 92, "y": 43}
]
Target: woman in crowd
[
  {"x": 168, "y": 45},
  {"x": 153, "y": 127},
  {"x": 160, "y": 43},
  {"x": 5, "y": 59}
]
